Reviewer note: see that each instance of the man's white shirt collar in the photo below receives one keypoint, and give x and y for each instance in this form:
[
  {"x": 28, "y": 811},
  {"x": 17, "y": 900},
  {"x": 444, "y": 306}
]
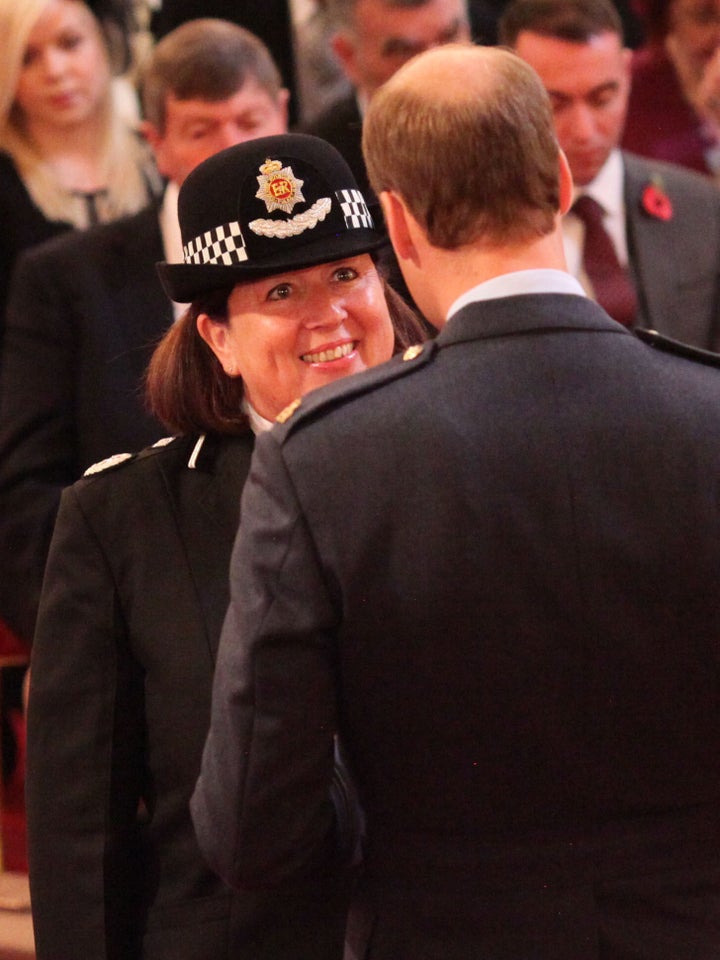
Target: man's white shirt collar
[{"x": 519, "y": 282}]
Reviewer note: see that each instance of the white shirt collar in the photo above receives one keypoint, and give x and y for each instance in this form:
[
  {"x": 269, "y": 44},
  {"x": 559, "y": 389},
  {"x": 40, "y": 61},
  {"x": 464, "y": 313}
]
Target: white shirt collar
[
  {"x": 170, "y": 231},
  {"x": 519, "y": 282},
  {"x": 607, "y": 187},
  {"x": 258, "y": 423}
]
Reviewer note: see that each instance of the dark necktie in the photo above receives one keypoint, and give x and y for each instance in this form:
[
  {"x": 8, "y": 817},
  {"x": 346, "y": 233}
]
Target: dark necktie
[{"x": 611, "y": 284}]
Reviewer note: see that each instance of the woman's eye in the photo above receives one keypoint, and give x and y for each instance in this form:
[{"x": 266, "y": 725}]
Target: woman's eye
[
  {"x": 70, "y": 41},
  {"x": 346, "y": 273},
  {"x": 281, "y": 292}
]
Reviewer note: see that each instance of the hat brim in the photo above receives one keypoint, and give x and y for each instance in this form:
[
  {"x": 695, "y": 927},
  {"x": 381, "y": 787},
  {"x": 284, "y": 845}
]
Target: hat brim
[{"x": 184, "y": 282}]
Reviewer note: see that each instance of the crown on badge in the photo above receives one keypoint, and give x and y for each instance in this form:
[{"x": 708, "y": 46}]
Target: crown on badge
[
  {"x": 279, "y": 189},
  {"x": 270, "y": 166}
]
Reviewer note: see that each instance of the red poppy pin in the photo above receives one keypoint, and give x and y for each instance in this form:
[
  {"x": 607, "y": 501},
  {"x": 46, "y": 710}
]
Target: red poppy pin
[{"x": 655, "y": 202}]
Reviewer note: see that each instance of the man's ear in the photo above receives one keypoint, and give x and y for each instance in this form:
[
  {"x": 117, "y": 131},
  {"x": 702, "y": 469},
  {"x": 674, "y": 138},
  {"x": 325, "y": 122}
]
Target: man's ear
[
  {"x": 149, "y": 132},
  {"x": 344, "y": 49},
  {"x": 566, "y": 183},
  {"x": 283, "y": 102},
  {"x": 400, "y": 224}
]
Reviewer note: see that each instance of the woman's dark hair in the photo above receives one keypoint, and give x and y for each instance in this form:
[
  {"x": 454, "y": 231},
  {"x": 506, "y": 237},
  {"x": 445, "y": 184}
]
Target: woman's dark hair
[{"x": 186, "y": 387}]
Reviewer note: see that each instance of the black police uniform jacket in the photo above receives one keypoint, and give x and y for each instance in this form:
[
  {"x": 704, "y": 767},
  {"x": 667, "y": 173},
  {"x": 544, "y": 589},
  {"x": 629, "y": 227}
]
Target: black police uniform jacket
[
  {"x": 134, "y": 597},
  {"x": 495, "y": 568}
]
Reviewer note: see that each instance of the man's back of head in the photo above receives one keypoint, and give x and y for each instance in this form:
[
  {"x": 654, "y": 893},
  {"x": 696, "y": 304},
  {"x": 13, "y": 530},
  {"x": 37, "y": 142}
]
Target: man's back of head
[{"x": 462, "y": 140}]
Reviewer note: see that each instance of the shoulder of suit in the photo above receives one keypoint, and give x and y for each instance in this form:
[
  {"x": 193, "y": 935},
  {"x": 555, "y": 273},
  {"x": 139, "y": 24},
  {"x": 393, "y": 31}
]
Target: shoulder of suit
[
  {"x": 335, "y": 117},
  {"x": 660, "y": 342},
  {"x": 191, "y": 452},
  {"x": 117, "y": 460},
  {"x": 645, "y": 171},
  {"x": 320, "y": 402}
]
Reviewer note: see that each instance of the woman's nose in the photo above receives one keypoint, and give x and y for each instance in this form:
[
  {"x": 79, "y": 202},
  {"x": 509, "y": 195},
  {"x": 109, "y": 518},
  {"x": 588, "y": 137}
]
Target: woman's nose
[{"x": 326, "y": 311}]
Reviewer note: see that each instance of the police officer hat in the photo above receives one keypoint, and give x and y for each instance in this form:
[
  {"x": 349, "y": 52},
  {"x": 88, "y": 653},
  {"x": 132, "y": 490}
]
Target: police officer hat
[{"x": 264, "y": 207}]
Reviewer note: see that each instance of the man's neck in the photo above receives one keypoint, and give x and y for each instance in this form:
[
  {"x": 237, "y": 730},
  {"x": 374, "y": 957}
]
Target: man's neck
[{"x": 455, "y": 272}]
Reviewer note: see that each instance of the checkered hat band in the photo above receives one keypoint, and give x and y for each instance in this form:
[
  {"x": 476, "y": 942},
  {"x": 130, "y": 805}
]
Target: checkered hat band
[
  {"x": 354, "y": 209},
  {"x": 222, "y": 245}
]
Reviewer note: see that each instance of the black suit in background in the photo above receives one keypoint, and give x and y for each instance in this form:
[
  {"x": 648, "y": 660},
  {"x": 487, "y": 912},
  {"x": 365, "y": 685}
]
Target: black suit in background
[
  {"x": 23, "y": 226},
  {"x": 122, "y": 671},
  {"x": 341, "y": 125},
  {"x": 84, "y": 313},
  {"x": 495, "y": 568}
]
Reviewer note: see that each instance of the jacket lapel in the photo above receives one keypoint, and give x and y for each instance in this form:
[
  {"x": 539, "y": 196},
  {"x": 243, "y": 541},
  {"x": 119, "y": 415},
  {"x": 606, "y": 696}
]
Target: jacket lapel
[
  {"x": 206, "y": 503},
  {"x": 647, "y": 239}
]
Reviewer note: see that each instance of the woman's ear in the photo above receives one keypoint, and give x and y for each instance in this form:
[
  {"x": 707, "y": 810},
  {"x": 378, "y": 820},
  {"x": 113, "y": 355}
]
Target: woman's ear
[{"x": 217, "y": 336}]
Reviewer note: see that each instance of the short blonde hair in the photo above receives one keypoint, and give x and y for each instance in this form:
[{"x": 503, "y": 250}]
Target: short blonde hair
[{"x": 474, "y": 157}]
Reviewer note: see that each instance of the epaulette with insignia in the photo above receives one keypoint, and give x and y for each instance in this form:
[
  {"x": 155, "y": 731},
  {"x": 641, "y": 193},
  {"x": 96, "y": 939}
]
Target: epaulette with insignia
[
  {"x": 288, "y": 411},
  {"x": 119, "y": 458},
  {"x": 109, "y": 462},
  {"x": 340, "y": 391},
  {"x": 668, "y": 345}
]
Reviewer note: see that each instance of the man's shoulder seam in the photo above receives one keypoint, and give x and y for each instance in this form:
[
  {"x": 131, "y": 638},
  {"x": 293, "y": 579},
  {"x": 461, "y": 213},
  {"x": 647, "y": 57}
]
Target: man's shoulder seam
[{"x": 321, "y": 402}]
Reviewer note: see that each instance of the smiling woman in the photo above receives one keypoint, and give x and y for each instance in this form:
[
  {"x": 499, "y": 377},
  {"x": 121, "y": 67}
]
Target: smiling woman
[
  {"x": 287, "y": 335},
  {"x": 136, "y": 586}
]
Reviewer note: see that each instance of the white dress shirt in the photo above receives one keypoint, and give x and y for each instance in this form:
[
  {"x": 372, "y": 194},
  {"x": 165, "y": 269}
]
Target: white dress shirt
[{"x": 170, "y": 232}]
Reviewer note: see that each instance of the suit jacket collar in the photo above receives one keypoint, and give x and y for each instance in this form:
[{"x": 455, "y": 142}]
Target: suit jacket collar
[
  {"x": 647, "y": 239},
  {"x": 526, "y": 314}
]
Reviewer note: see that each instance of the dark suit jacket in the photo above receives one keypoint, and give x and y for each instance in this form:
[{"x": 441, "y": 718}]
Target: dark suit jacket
[
  {"x": 495, "y": 568},
  {"x": 675, "y": 262},
  {"x": 132, "y": 607},
  {"x": 24, "y": 225},
  {"x": 341, "y": 125},
  {"x": 85, "y": 311}
]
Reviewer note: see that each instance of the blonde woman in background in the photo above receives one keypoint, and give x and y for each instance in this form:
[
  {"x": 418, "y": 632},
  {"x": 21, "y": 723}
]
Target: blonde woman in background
[{"x": 68, "y": 155}]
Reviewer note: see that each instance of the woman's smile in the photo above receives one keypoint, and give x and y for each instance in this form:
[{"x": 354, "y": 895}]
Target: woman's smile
[{"x": 331, "y": 353}]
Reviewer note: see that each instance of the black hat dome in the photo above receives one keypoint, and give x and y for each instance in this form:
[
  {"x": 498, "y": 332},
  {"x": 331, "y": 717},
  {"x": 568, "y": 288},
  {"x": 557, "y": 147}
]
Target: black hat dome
[{"x": 263, "y": 207}]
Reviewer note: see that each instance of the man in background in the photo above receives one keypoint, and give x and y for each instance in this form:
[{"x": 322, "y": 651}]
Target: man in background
[{"x": 643, "y": 236}]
